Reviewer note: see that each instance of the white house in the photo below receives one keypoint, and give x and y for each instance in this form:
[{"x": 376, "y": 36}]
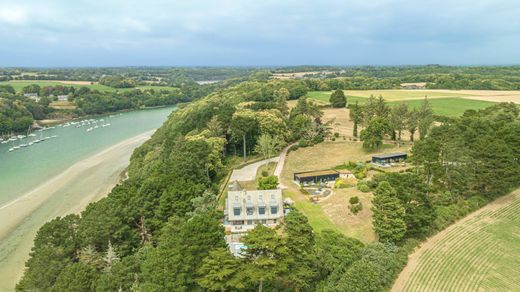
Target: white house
[
  {"x": 33, "y": 96},
  {"x": 245, "y": 209}
]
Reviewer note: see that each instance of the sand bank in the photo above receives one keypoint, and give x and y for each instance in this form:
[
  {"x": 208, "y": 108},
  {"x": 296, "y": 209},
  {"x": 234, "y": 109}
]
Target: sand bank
[{"x": 69, "y": 192}]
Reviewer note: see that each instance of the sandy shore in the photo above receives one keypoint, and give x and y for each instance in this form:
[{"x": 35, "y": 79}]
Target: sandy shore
[{"x": 69, "y": 192}]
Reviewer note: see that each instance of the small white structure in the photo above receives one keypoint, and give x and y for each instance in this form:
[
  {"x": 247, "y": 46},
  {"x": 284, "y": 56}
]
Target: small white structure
[
  {"x": 245, "y": 209},
  {"x": 63, "y": 97},
  {"x": 33, "y": 96}
]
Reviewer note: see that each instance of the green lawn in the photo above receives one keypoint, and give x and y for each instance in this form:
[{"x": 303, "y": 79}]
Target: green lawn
[
  {"x": 18, "y": 85},
  {"x": 447, "y": 106}
]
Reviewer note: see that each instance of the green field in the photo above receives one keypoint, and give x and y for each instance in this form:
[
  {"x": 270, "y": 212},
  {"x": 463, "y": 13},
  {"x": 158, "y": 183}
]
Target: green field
[
  {"x": 442, "y": 106},
  {"x": 480, "y": 253},
  {"x": 18, "y": 85}
]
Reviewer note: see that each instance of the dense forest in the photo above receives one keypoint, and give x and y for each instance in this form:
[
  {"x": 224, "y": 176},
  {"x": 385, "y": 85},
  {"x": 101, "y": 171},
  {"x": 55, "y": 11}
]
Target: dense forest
[{"x": 160, "y": 229}]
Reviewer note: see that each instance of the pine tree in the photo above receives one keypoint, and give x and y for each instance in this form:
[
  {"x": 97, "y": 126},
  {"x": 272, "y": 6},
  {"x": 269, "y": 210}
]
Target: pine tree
[
  {"x": 219, "y": 271},
  {"x": 338, "y": 99},
  {"x": 388, "y": 217}
]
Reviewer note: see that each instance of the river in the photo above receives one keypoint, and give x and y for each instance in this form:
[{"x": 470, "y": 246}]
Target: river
[{"x": 61, "y": 176}]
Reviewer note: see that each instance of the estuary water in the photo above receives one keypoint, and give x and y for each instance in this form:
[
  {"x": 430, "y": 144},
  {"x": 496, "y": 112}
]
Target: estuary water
[{"x": 62, "y": 175}]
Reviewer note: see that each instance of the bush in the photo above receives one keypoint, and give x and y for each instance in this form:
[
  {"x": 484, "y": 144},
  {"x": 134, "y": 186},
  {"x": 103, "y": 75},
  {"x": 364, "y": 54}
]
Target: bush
[
  {"x": 265, "y": 173},
  {"x": 355, "y": 208},
  {"x": 336, "y": 135},
  {"x": 361, "y": 173},
  {"x": 354, "y": 200},
  {"x": 363, "y": 187},
  {"x": 344, "y": 183},
  {"x": 268, "y": 183}
]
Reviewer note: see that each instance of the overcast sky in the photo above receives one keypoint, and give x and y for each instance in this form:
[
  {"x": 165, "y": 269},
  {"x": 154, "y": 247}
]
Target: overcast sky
[{"x": 258, "y": 32}]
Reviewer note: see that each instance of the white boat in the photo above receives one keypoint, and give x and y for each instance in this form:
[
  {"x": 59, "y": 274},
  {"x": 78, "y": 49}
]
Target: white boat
[
  {"x": 16, "y": 147},
  {"x": 89, "y": 129},
  {"x": 54, "y": 136},
  {"x": 32, "y": 135},
  {"x": 30, "y": 144},
  {"x": 11, "y": 149},
  {"x": 4, "y": 142}
]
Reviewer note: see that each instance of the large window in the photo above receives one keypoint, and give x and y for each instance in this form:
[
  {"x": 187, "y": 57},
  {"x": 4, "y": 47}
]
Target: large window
[
  {"x": 274, "y": 210},
  {"x": 249, "y": 211},
  {"x": 261, "y": 210},
  {"x": 236, "y": 211}
]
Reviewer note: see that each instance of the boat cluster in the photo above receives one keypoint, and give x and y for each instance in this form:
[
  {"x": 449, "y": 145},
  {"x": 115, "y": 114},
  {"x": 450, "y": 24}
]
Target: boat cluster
[
  {"x": 91, "y": 124},
  {"x": 22, "y": 141}
]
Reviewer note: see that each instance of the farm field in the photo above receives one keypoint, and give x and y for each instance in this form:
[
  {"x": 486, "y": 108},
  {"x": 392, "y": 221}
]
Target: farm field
[
  {"x": 479, "y": 253},
  {"x": 18, "y": 85},
  {"x": 440, "y": 102}
]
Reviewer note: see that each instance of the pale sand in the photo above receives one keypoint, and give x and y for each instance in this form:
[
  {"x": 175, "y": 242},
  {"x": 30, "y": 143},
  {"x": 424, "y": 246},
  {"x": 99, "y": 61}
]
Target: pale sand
[{"x": 69, "y": 192}]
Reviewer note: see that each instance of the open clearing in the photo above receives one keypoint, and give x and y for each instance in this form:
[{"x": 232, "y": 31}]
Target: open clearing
[
  {"x": 331, "y": 212},
  {"x": 444, "y": 103},
  {"x": 18, "y": 85},
  {"x": 479, "y": 253}
]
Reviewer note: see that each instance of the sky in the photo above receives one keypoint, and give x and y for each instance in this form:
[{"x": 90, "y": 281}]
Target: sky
[{"x": 68, "y": 33}]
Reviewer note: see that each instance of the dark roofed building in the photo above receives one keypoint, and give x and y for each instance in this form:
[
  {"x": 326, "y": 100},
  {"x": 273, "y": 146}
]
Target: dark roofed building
[
  {"x": 389, "y": 158},
  {"x": 314, "y": 177}
]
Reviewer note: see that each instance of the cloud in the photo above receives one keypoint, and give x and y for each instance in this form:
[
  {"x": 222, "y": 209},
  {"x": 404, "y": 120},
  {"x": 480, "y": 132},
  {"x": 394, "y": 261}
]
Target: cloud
[{"x": 268, "y": 32}]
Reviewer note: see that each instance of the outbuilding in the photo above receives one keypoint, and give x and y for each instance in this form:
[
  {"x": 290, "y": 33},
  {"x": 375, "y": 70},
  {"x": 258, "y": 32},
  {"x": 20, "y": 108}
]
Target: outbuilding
[
  {"x": 389, "y": 158},
  {"x": 315, "y": 177}
]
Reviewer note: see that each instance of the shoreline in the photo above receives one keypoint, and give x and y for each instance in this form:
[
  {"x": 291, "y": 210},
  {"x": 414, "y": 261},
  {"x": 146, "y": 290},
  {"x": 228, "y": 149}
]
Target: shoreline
[{"x": 69, "y": 192}]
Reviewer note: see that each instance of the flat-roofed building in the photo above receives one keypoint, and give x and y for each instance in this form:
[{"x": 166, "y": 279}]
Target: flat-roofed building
[
  {"x": 320, "y": 176},
  {"x": 385, "y": 159},
  {"x": 245, "y": 209}
]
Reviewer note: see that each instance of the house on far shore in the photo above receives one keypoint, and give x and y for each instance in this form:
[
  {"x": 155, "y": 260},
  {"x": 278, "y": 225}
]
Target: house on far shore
[
  {"x": 245, "y": 209},
  {"x": 63, "y": 97},
  {"x": 308, "y": 178},
  {"x": 33, "y": 96},
  {"x": 386, "y": 159}
]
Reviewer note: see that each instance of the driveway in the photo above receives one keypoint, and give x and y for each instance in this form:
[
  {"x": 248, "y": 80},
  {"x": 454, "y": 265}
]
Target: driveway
[{"x": 248, "y": 172}]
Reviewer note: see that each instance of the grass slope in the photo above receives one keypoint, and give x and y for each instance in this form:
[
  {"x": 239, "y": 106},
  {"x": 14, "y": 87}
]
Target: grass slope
[{"x": 479, "y": 253}]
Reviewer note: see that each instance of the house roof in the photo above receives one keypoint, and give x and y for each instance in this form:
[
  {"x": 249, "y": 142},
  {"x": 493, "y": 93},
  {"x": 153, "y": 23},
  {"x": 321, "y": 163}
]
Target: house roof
[
  {"x": 316, "y": 173},
  {"x": 389, "y": 155}
]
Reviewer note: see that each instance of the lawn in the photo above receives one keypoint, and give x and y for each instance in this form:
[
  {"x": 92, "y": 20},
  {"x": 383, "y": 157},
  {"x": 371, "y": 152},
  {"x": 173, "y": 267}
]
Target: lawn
[
  {"x": 442, "y": 106},
  {"x": 18, "y": 85},
  {"x": 479, "y": 253},
  {"x": 332, "y": 212}
]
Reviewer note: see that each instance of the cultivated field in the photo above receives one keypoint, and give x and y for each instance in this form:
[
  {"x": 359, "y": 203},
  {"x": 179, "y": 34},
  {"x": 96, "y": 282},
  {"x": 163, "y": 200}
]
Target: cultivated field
[
  {"x": 18, "y": 85},
  {"x": 479, "y": 253},
  {"x": 444, "y": 102}
]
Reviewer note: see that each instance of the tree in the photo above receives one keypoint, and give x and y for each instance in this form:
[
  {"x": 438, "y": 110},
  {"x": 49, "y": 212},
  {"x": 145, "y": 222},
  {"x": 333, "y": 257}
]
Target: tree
[
  {"x": 388, "y": 214},
  {"x": 110, "y": 257},
  {"x": 338, "y": 99},
  {"x": 356, "y": 115},
  {"x": 336, "y": 252},
  {"x": 219, "y": 271},
  {"x": 267, "y": 145},
  {"x": 203, "y": 204},
  {"x": 280, "y": 98},
  {"x": 265, "y": 255},
  {"x": 268, "y": 183},
  {"x": 398, "y": 120},
  {"x": 300, "y": 244},
  {"x": 425, "y": 118},
  {"x": 372, "y": 136},
  {"x": 76, "y": 277},
  {"x": 362, "y": 276},
  {"x": 242, "y": 123},
  {"x": 412, "y": 119}
]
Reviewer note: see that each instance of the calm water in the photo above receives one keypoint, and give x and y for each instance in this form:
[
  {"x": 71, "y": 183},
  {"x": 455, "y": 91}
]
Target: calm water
[{"x": 26, "y": 168}]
